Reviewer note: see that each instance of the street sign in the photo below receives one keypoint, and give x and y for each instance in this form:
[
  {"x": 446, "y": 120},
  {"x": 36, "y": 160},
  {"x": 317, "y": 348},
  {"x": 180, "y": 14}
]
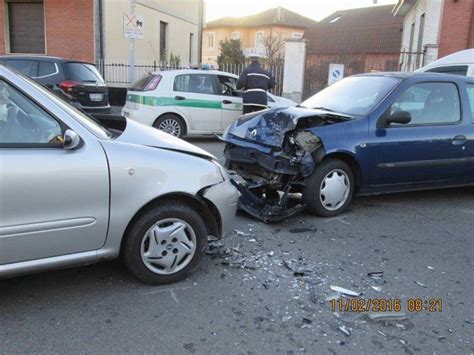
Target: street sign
[
  {"x": 336, "y": 73},
  {"x": 133, "y": 26}
]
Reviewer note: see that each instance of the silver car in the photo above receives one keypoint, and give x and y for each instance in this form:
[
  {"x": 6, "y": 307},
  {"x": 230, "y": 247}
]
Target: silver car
[{"x": 74, "y": 192}]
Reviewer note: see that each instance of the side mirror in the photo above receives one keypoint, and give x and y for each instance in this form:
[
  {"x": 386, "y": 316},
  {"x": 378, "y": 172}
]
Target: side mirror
[
  {"x": 71, "y": 140},
  {"x": 400, "y": 117}
]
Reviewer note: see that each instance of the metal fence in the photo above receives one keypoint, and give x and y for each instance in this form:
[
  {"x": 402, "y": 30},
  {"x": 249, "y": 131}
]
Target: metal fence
[{"x": 116, "y": 72}]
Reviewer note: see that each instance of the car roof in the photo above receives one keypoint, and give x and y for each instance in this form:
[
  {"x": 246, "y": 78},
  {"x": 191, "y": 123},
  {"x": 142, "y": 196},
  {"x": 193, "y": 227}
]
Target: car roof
[
  {"x": 43, "y": 58},
  {"x": 418, "y": 75},
  {"x": 464, "y": 57},
  {"x": 193, "y": 71}
]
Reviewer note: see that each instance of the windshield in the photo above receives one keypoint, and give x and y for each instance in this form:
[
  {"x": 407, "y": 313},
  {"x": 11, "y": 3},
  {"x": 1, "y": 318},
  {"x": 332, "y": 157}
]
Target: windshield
[
  {"x": 353, "y": 96},
  {"x": 83, "y": 72},
  {"x": 91, "y": 124}
]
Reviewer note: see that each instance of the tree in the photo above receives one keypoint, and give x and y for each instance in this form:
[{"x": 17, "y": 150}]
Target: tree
[
  {"x": 231, "y": 53},
  {"x": 274, "y": 45}
]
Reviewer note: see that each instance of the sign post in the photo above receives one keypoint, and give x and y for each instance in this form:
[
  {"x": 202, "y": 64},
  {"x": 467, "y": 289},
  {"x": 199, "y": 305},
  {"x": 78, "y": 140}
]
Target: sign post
[
  {"x": 336, "y": 73},
  {"x": 133, "y": 27}
]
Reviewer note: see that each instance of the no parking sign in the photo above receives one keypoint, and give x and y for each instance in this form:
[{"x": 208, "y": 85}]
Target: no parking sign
[{"x": 336, "y": 73}]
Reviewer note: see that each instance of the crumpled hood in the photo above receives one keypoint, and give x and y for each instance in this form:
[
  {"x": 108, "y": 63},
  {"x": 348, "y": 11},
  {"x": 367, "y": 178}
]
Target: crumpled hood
[
  {"x": 268, "y": 127},
  {"x": 136, "y": 133}
]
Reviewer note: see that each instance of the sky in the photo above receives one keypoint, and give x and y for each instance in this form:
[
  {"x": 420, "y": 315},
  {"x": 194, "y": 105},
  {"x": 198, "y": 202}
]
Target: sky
[{"x": 315, "y": 9}]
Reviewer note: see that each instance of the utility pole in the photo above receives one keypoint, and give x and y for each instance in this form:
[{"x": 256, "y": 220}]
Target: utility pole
[{"x": 132, "y": 46}]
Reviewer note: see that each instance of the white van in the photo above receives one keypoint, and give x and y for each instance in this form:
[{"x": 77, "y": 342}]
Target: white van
[{"x": 460, "y": 63}]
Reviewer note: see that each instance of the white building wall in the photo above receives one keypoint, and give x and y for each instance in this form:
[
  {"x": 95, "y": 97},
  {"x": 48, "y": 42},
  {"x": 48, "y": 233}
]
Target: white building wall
[
  {"x": 433, "y": 14},
  {"x": 182, "y": 17}
]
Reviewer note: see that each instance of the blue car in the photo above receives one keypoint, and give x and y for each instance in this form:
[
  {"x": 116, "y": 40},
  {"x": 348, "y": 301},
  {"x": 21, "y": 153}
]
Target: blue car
[{"x": 367, "y": 134}]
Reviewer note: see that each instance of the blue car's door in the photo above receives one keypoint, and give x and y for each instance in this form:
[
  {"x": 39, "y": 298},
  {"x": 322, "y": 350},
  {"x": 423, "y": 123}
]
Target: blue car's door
[
  {"x": 427, "y": 152},
  {"x": 470, "y": 133}
]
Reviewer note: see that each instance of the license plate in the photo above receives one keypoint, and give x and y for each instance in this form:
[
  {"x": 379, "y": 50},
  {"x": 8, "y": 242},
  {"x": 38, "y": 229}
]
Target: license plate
[{"x": 96, "y": 97}]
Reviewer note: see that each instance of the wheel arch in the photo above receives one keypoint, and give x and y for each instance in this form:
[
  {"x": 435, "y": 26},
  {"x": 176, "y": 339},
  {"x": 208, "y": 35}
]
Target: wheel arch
[
  {"x": 208, "y": 212},
  {"x": 350, "y": 160}
]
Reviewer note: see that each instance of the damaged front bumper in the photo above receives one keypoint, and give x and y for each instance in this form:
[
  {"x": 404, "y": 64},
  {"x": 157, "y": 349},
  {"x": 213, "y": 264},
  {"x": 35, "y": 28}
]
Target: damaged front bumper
[{"x": 269, "y": 180}]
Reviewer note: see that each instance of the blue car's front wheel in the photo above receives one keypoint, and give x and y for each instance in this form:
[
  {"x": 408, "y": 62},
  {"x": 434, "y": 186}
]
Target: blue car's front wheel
[{"x": 329, "y": 189}]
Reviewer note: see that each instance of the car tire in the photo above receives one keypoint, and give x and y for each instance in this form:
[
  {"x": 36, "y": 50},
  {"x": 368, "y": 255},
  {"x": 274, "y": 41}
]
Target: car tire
[
  {"x": 322, "y": 200},
  {"x": 165, "y": 244},
  {"x": 172, "y": 124}
]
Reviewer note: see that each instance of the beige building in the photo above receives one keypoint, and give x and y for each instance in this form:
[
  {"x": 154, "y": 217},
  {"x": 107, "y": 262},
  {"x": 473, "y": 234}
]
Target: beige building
[
  {"x": 170, "y": 27},
  {"x": 252, "y": 31}
]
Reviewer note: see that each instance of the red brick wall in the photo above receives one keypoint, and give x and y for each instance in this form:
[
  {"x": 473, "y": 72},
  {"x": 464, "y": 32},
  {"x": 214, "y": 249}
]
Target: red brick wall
[
  {"x": 69, "y": 28},
  {"x": 455, "y": 26}
]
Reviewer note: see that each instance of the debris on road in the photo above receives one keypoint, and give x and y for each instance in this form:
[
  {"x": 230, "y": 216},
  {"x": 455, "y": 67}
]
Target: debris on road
[
  {"x": 420, "y": 284},
  {"x": 380, "y": 316},
  {"x": 303, "y": 229},
  {"x": 430, "y": 267},
  {"x": 307, "y": 321},
  {"x": 345, "y": 330},
  {"x": 377, "y": 288},
  {"x": 312, "y": 292},
  {"x": 345, "y": 291},
  {"x": 377, "y": 276},
  {"x": 238, "y": 232}
]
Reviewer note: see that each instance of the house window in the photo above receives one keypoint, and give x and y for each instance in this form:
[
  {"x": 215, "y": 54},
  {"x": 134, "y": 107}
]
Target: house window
[
  {"x": 259, "y": 39},
  {"x": 25, "y": 26},
  {"x": 297, "y": 35},
  {"x": 211, "y": 36},
  {"x": 235, "y": 35},
  {"x": 191, "y": 41},
  {"x": 163, "y": 40}
]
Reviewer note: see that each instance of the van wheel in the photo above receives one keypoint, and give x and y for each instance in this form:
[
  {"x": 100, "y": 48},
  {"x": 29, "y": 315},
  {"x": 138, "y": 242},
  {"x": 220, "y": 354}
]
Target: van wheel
[
  {"x": 328, "y": 191},
  {"x": 165, "y": 244},
  {"x": 172, "y": 124}
]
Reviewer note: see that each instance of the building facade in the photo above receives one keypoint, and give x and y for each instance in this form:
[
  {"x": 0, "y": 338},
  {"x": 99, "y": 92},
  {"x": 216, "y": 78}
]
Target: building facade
[
  {"x": 170, "y": 27},
  {"x": 252, "y": 31},
  {"x": 48, "y": 27},
  {"x": 363, "y": 40},
  {"x": 433, "y": 29},
  {"x": 91, "y": 30}
]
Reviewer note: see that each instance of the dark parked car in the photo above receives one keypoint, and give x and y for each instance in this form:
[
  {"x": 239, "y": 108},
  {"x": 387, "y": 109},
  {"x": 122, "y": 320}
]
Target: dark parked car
[
  {"x": 79, "y": 83},
  {"x": 371, "y": 133}
]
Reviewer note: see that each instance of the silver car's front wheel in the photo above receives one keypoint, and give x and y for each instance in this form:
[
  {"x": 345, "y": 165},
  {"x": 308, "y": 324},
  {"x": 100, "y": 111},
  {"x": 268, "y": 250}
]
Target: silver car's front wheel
[
  {"x": 168, "y": 246},
  {"x": 165, "y": 243}
]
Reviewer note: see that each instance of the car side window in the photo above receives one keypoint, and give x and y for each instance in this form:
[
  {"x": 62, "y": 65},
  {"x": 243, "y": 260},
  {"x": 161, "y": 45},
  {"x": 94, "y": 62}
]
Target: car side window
[
  {"x": 195, "y": 83},
  {"x": 227, "y": 86},
  {"x": 47, "y": 68},
  {"x": 453, "y": 69},
  {"x": 24, "y": 66},
  {"x": 429, "y": 104},
  {"x": 23, "y": 122},
  {"x": 470, "y": 94}
]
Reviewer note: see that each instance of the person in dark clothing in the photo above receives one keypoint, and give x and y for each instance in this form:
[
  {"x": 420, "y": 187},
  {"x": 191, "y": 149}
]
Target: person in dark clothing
[{"x": 255, "y": 81}]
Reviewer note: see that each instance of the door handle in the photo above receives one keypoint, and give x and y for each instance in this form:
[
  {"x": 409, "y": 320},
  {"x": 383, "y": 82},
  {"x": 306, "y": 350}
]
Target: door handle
[
  {"x": 227, "y": 102},
  {"x": 179, "y": 98},
  {"x": 459, "y": 140}
]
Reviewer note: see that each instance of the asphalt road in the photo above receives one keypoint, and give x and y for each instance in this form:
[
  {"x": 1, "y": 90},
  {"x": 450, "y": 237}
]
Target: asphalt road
[{"x": 264, "y": 291}]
